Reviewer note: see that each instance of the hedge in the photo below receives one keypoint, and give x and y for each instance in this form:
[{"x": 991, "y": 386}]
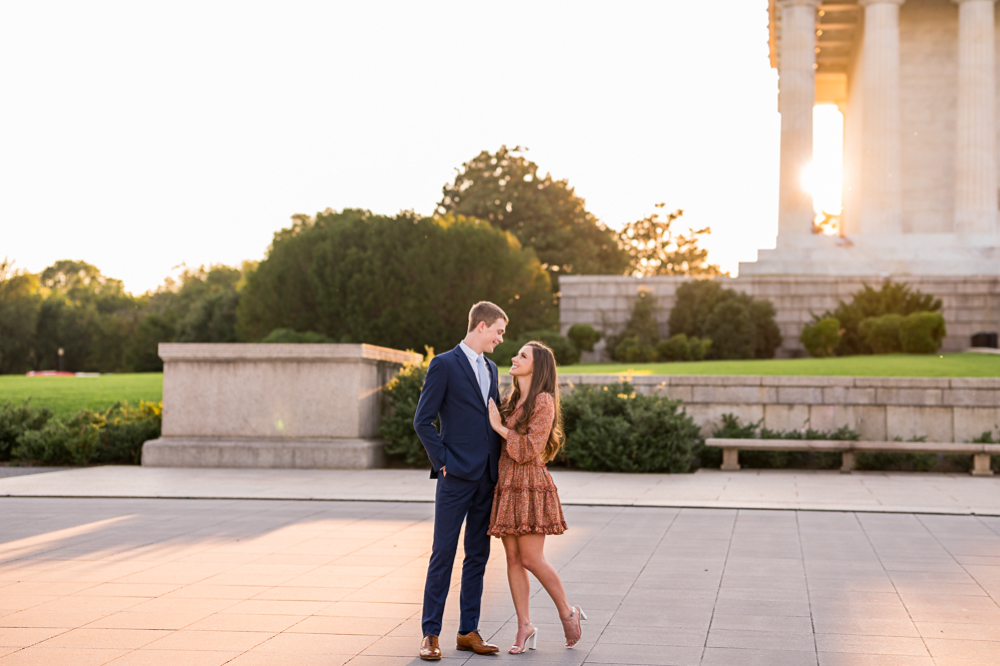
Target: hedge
[{"x": 114, "y": 436}]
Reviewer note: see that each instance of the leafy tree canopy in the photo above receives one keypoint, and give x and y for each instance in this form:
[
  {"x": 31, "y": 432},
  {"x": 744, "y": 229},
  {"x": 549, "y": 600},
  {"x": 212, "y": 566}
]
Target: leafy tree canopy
[
  {"x": 404, "y": 281},
  {"x": 654, "y": 248},
  {"x": 506, "y": 189},
  {"x": 19, "y": 307}
]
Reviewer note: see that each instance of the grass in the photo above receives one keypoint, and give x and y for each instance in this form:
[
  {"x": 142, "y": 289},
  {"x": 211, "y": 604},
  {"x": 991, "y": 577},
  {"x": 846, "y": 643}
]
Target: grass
[
  {"x": 67, "y": 395},
  {"x": 892, "y": 365}
]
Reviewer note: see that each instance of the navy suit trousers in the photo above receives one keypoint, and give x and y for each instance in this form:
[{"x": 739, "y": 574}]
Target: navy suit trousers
[{"x": 457, "y": 501}]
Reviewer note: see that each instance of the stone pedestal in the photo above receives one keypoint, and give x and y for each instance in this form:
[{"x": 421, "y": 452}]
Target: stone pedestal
[{"x": 272, "y": 405}]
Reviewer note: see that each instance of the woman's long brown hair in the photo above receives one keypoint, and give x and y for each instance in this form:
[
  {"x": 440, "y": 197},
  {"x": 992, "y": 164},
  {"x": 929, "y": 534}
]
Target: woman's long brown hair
[{"x": 543, "y": 380}]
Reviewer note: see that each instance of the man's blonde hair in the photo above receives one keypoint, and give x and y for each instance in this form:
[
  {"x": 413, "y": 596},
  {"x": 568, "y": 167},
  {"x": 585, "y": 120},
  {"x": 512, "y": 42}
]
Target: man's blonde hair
[{"x": 485, "y": 312}]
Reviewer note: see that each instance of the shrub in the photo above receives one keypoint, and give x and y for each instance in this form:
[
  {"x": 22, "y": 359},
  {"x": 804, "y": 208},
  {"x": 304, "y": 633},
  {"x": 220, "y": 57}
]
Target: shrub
[
  {"x": 682, "y": 348},
  {"x": 632, "y": 350},
  {"x": 731, "y": 330},
  {"x": 17, "y": 420},
  {"x": 881, "y": 334},
  {"x": 738, "y": 325},
  {"x": 642, "y": 327},
  {"x": 676, "y": 348},
  {"x": 583, "y": 336},
  {"x": 891, "y": 298},
  {"x": 614, "y": 429},
  {"x": 114, "y": 436},
  {"x": 822, "y": 337},
  {"x": 566, "y": 352},
  {"x": 922, "y": 332},
  {"x": 401, "y": 397},
  {"x": 287, "y": 335}
]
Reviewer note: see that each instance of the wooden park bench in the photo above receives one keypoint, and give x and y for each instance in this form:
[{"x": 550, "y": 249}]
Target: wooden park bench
[{"x": 731, "y": 448}]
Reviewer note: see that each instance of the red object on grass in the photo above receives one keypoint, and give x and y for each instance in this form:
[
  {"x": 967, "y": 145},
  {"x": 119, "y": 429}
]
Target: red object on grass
[{"x": 50, "y": 373}]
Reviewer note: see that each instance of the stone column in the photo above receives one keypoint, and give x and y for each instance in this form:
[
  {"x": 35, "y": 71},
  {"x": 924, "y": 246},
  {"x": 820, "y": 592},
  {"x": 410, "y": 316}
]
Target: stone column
[
  {"x": 882, "y": 193},
  {"x": 796, "y": 97},
  {"x": 976, "y": 151}
]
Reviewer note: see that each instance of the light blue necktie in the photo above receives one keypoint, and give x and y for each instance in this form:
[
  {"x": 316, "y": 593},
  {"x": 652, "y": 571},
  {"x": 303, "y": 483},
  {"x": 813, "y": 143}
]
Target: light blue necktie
[{"x": 484, "y": 378}]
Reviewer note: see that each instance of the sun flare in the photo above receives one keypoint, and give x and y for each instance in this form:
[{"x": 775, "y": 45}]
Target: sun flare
[{"x": 823, "y": 178}]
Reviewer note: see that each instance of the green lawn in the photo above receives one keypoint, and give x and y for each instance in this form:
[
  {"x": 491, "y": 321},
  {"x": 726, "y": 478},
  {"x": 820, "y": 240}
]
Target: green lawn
[
  {"x": 66, "y": 395},
  {"x": 894, "y": 365}
]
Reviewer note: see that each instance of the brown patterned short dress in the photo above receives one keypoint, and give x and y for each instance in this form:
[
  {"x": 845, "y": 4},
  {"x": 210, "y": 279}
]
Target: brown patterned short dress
[{"x": 525, "y": 500}]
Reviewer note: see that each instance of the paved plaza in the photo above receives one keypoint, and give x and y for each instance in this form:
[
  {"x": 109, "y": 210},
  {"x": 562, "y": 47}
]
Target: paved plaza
[
  {"x": 708, "y": 488},
  {"x": 150, "y": 581}
]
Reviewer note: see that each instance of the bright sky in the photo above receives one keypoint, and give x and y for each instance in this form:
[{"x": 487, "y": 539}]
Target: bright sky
[{"x": 142, "y": 135}]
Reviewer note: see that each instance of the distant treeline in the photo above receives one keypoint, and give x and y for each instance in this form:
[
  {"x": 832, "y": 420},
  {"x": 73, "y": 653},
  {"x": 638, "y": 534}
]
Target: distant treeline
[{"x": 502, "y": 232}]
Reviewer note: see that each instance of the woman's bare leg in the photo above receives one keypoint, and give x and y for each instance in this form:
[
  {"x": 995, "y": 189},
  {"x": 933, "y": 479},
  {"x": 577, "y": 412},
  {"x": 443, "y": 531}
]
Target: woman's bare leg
[
  {"x": 531, "y": 548},
  {"x": 520, "y": 587}
]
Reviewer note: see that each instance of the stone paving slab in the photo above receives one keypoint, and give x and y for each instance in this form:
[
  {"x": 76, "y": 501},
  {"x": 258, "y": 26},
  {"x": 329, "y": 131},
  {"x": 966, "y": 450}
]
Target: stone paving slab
[
  {"x": 899, "y": 492},
  {"x": 8, "y": 470},
  {"x": 262, "y": 583}
]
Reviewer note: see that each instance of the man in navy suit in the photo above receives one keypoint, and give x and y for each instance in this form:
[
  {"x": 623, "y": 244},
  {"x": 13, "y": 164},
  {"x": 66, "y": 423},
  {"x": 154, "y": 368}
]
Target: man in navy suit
[{"x": 464, "y": 457}]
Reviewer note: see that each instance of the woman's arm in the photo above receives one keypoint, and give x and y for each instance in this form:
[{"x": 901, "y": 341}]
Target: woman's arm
[{"x": 525, "y": 448}]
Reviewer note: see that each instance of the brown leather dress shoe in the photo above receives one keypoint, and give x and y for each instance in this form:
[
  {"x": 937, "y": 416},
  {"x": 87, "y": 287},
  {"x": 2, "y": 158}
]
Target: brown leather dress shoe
[
  {"x": 429, "y": 649},
  {"x": 473, "y": 642}
]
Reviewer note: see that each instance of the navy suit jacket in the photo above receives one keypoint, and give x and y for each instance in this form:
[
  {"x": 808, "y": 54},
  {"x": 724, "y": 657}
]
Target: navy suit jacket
[{"x": 467, "y": 443}]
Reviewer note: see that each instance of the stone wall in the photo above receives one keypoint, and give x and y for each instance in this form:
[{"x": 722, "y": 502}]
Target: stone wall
[
  {"x": 971, "y": 304},
  {"x": 880, "y": 408}
]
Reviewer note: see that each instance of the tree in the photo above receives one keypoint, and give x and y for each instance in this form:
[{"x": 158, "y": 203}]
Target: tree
[
  {"x": 506, "y": 190},
  {"x": 87, "y": 314},
  {"x": 654, "y": 249},
  {"x": 19, "y": 307},
  {"x": 198, "y": 306},
  {"x": 404, "y": 281}
]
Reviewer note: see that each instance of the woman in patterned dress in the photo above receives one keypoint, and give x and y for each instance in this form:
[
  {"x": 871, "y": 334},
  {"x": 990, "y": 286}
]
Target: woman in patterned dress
[{"x": 525, "y": 504}]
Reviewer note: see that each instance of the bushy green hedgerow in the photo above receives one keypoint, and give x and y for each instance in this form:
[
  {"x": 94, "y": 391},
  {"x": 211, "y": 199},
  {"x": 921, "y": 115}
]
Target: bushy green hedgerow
[
  {"x": 922, "y": 332},
  {"x": 891, "y": 298},
  {"x": 114, "y": 436},
  {"x": 615, "y": 429},
  {"x": 738, "y": 325},
  {"x": 682, "y": 348},
  {"x": 608, "y": 428},
  {"x": 881, "y": 334},
  {"x": 916, "y": 333},
  {"x": 821, "y": 337},
  {"x": 15, "y": 420}
]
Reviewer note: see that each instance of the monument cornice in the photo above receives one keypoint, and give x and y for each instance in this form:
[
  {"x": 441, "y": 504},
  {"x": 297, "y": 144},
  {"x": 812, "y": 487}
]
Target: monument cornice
[{"x": 837, "y": 29}]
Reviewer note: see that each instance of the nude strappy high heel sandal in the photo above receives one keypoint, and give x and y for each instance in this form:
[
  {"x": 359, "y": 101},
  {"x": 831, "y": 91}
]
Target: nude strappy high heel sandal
[
  {"x": 530, "y": 641},
  {"x": 574, "y": 612}
]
